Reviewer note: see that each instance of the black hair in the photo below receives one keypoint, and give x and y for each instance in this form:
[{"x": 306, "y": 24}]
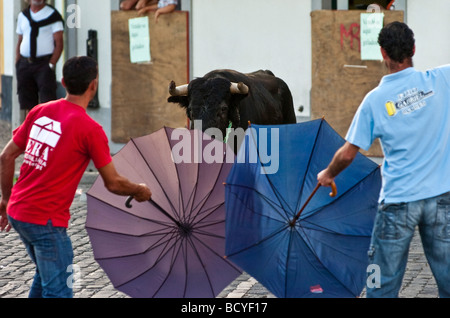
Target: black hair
[
  {"x": 78, "y": 73},
  {"x": 397, "y": 39}
]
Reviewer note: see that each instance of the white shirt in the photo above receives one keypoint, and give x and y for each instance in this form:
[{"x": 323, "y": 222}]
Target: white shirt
[{"x": 45, "y": 41}]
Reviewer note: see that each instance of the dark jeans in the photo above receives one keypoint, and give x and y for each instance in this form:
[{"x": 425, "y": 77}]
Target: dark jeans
[{"x": 36, "y": 82}]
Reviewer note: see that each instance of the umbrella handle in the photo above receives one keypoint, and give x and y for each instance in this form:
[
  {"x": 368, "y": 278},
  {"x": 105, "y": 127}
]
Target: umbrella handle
[
  {"x": 129, "y": 206},
  {"x": 128, "y": 202},
  {"x": 333, "y": 193}
]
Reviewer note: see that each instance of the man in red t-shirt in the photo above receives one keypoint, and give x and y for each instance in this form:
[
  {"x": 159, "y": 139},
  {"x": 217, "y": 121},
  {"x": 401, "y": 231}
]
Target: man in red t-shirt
[{"x": 58, "y": 140}]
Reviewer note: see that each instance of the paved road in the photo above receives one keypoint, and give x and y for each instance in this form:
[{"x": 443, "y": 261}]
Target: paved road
[{"x": 16, "y": 269}]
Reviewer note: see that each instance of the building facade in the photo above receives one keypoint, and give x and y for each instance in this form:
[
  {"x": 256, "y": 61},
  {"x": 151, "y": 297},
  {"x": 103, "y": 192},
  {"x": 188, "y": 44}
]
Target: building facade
[{"x": 245, "y": 35}]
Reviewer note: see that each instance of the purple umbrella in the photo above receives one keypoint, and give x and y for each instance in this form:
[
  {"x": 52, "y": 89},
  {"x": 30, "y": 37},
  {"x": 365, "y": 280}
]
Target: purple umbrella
[{"x": 173, "y": 245}]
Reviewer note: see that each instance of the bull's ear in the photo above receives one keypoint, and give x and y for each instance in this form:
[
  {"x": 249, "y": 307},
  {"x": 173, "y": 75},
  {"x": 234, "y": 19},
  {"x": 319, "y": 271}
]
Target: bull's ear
[{"x": 183, "y": 101}]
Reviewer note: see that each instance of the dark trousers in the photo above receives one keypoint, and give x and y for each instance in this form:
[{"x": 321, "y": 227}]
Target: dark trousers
[{"x": 36, "y": 82}]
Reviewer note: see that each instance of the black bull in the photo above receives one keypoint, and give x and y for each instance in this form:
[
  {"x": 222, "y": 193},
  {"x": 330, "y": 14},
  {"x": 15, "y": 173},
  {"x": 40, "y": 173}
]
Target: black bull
[{"x": 228, "y": 99}]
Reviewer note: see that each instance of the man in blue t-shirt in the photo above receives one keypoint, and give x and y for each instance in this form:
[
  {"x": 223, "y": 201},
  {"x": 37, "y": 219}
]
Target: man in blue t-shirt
[{"x": 410, "y": 113}]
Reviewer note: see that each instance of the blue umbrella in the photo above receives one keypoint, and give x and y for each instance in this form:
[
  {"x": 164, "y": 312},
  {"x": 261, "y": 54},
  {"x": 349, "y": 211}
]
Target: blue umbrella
[{"x": 287, "y": 232}]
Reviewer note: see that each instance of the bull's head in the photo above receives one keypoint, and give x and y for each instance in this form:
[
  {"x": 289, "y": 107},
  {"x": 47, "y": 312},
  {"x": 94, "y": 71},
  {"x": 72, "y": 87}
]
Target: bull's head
[{"x": 213, "y": 101}]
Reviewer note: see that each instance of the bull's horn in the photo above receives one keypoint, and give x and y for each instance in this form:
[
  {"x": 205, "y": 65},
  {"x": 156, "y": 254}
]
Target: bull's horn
[
  {"x": 175, "y": 90},
  {"x": 238, "y": 88}
]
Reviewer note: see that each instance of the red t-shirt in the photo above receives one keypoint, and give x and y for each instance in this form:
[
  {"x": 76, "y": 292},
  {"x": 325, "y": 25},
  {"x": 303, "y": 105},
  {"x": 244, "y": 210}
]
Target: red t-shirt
[{"x": 59, "y": 139}]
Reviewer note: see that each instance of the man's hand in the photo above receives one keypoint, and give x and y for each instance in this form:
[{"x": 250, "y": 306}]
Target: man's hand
[
  {"x": 144, "y": 193},
  {"x": 324, "y": 178},
  {"x": 4, "y": 225}
]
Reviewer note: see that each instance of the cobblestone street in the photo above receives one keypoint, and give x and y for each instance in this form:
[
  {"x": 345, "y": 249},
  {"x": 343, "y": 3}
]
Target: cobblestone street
[{"x": 17, "y": 270}]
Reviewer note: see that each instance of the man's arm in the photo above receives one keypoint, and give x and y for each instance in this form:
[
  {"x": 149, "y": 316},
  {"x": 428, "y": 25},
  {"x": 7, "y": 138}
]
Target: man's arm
[
  {"x": 19, "y": 42},
  {"x": 145, "y": 3},
  {"x": 146, "y": 9},
  {"x": 341, "y": 160},
  {"x": 165, "y": 10},
  {"x": 7, "y": 169},
  {"x": 58, "y": 37},
  {"x": 120, "y": 185}
]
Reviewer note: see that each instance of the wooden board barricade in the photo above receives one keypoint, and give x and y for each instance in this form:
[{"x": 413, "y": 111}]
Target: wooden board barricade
[
  {"x": 340, "y": 79},
  {"x": 139, "y": 92}
]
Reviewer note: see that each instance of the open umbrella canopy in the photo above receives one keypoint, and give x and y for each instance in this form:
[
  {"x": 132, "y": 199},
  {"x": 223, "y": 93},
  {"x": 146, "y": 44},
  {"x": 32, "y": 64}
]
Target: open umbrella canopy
[
  {"x": 173, "y": 245},
  {"x": 323, "y": 253}
]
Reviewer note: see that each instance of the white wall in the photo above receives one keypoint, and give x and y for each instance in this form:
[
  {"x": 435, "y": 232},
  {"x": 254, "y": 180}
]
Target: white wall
[
  {"x": 248, "y": 35},
  {"x": 10, "y": 12},
  {"x": 431, "y": 24},
  {"x": 96, "y": 15},
  {"x": 8, "y": 18}
]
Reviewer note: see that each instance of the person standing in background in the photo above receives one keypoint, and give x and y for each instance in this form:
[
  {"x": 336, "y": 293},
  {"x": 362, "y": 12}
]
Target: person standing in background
[{"x": 40, "y": 30}]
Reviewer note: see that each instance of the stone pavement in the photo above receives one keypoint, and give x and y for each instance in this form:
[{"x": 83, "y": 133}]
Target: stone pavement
[{"x": 17, "y": 270}]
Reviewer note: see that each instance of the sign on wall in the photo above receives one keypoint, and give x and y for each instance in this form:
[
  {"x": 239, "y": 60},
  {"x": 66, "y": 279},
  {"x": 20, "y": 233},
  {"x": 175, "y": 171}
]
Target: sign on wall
[
  {"x": 371, "y": 25},
  {"x": 139, "y": 40}
]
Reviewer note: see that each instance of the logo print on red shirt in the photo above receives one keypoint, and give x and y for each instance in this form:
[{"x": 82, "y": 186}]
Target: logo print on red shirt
[{"x": 44, "y": 137}]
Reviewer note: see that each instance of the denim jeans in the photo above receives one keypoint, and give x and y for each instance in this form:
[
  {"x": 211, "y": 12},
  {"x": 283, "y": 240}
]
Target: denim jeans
[
  {"x": 394, "y": 228},
  {"x": 51, "y": 250}
]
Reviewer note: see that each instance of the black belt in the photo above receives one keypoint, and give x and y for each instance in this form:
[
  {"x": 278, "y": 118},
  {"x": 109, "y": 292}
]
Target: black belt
[{"x": 39, "y": 59}]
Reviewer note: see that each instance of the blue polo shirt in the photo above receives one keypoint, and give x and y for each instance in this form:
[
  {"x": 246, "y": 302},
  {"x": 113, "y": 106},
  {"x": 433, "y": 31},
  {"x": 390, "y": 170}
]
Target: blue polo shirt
[{"x": 410, "y": 112}]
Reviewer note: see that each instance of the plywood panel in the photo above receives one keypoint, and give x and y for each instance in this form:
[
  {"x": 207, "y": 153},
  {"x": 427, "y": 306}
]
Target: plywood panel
[
  {"x": 340, "y": 79},
  {"x": 139, "y": 91}
]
